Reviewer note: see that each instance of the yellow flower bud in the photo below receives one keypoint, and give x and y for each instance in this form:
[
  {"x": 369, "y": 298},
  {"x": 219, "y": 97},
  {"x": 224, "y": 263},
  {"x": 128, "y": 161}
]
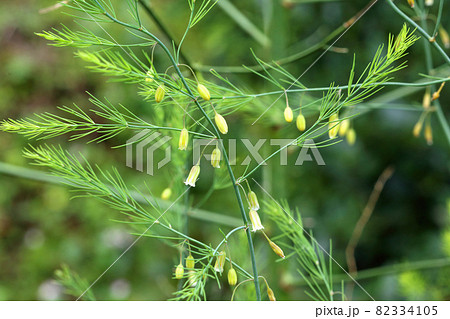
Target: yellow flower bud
[
  {"x": 343, "y": 128},
  {"x": 351, "y": 136},
  {"x": 428, "y": 134},
  {"x": 300, "y": 122},
  {"x": 444, "y": 37},
  {"x": 179, "y": 271},
  {"x": 232, "y": 277},
  {"x": 270, "y": 294},
  {"x": 159, "y": 94},
  {"x": 166, "y": 193},
  {"x": 411, "y": 3},
  {"x": 417, "y": 128},
  {"x": 288, "y": 115},
  {"x": 184, "y": 139},
  {"x": 252, "y": 201},
  {"x": 333, "y": 127},
  {"x": 193, "y": 175},
  {"x": 204, "y": 92},
  {"x": 190, "y": 262},
  {"x": 429, "y": 2},
  {"x": 256, "y": 221},
  {"x": 220, "y": 261},
  {"x": 277, "y": 250},
  {"x": 437, "y": 94},
  {"x": 221, "y": 123},
  {"x": 192, "y": 278},
  {"x": 426, "y": 99},
  {"x": 215, "y": 158}
]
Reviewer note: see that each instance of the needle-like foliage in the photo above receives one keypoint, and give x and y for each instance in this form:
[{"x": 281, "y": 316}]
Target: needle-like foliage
[{"x": 180, "y": 99}]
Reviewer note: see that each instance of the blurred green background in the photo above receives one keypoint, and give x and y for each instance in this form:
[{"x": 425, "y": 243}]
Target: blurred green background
[{"x": 41, "y": 228}]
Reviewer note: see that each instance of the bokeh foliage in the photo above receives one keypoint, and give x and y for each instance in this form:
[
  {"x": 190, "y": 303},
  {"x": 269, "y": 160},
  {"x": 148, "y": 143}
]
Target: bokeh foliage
[{"x": 41, "y": 228}]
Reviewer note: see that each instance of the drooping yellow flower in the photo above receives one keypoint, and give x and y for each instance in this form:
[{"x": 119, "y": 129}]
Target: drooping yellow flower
[
  {"x": 256, "y": 221},
  {"x": 220, "y": 261},
  {"x": 444, "y": 37},
  {"x": 166, "y": 193},
  {"x": 159, "y": 94},
  {"x": 193, "y": 175},
  {"x": 253, "y": 201},
  {"x": 184, "y": 139},
  {"x": 411, "y": 3},
  {"x": 288, "y": 114},
  {"x": 301, "y": 122},
  {"x": 270, "y": 294},
  {"x": 179, "y": 271},
  {"x": 192, "y": 278},
  {"x": 221, "y": 123},
  {"x": 437, "y": 94},
  {"x": 426, "y": 102},
  {"x": 190, "y": 262},
  {"x": 417, "y": 128},
  {"x": 204, "y": 92},
  {"x": 343, "y": 127},
  {"x": 232, "y": 277},
  {"x": 333, "y": 126},
  {"x": 351, "y": 136},
  {"x": 428, "y": 133},
  {"x": 215, "y": 158},
  {"x": 276, "y": 249}
]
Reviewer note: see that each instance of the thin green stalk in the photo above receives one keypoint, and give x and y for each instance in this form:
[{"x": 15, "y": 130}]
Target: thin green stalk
[
  {"x": 421, "y": 30},
  {"x": 164, "y": 30},
  {"x": 442, "y": 120},
  {"x": 294, "y": 57},
  {"x": 186, "y": 218},
  {"x": 183, "y": 235},
  {"x": 230, "y": 171},
  {"x": 439, "y": 16},
  {"x": 184, "y": 36},
  {"x": 320, "y": 89},
  {"x": 306, "y": 134},
  {"x": 429, "y": 66},
  {"x": 282, "y": 61},
  {"x": 244, "y": 22}
]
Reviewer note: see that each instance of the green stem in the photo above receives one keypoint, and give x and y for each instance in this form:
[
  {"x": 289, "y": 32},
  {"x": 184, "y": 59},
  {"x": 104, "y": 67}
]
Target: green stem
[
  {"x": 321, "y": 89},
  {"x": 429, "y": 65},
  {"x": 186, "y": 219},
  {"x": 184, "y": 37},
  {"x": 439, "y": 16},
  {"x": 244, "y": 22},
  {"x": 190, "y": 239},
  {"x": 442, "y": 120},
  {"x": 279, "y": 62},
  {"x": 421, "y": 30},
  {"x": 164, "y": 30},
  {"x": 230, "y": 171},
  {"x": 296, "y": 56}
]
